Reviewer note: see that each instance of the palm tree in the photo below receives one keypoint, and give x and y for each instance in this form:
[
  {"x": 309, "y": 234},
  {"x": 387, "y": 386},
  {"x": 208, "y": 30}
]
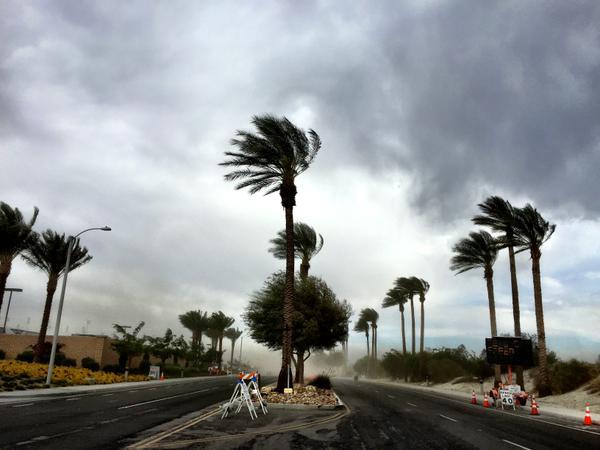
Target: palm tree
[
  {"x": 15, "y": 236},
  {"x": 531, "y": 231},
  {"x": 397, "y": 296},
  {"x": 49, "y": 253},
  {"x": 422, "y": 291},
  {"x": 371, "y": 316},
  {"x": 306, "y": 245},
  {"x": 500, "y": 216},
  {"x": 197, "y": 323},
  {"x": 412, "y": 286},
  {"x": 270, "y": 160},
  {"x": 479, "y": 251},
  {"x": 233, "y": 334},
  {"x": 220, "y": 322},
  {"x": 362, "y": 326}
]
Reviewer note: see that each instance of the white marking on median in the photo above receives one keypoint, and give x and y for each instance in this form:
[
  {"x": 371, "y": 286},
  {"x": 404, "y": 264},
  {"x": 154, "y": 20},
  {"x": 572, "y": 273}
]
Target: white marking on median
[
  {"x": 449, "y": 418},
  {"x": 411, "y": 404},
  {"x": 24, "y": 404},
  {"x": 516, "y": 445},
  {"x": 391, "y": 396},
  {"x": 161, "y": 399}
]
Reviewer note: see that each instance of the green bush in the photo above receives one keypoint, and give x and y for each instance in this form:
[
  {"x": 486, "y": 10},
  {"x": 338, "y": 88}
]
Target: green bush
[
  {"x": 61, "y": 360},
  {"x": 112, "y": 368},
  {"x": 569, "y": 375},
  {"x": 444, "y": 370},
  {"x": 26, "y": 356},
  {"x": 173, "y": 370},
  {"x": 321, "y": 382},
  {"x": 90, "y": 363},
  {"x": 2, "y": 354}
]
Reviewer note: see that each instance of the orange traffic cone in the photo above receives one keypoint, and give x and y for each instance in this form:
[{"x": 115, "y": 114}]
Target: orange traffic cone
[
  {"x": 162, "y": 376},
  {"x": 587, "y": 420},
  {"x": 473, "y": 398},
  {"x": 534, "y": 407},
  {"x": 486, "y": 403}
]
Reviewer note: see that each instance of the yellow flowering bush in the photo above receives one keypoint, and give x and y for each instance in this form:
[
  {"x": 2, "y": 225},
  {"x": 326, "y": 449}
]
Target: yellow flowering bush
[{"x": 66, "y": 376}]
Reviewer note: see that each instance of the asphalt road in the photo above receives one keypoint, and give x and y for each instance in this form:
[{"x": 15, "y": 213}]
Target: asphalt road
[
  {"x": 390, "y": 416},
  {"x": 102, "y": 418}
]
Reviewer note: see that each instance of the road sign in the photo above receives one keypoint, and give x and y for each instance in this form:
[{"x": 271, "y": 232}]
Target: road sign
[
  {"x": 154, "y": 372},
  {"x": 515, "y": 351},
  {"x": 506, "y": 398}
]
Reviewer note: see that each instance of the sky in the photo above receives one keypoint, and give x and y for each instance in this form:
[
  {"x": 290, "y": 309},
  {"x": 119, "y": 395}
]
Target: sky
[{"x": 118, "y": 114}]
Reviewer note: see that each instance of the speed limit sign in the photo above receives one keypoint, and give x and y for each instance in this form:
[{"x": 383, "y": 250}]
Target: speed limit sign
[{"x": 506, "y": 398}]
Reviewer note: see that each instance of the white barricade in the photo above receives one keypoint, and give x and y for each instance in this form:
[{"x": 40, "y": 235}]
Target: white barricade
[{"x": 245, "y": 388}]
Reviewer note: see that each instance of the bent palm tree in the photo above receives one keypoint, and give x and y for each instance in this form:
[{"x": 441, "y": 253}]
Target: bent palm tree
[
  {"x": 197, "y": 323},
  {"x": 233, "y": 334},
  {"x": 362, "y": 326},
  {"x": 306, "y": 245},
  {"x": 479, "y": 251},
  {"x": 270, "y": 160},
  {"x": 49, "y": 253},
  {"x": 371, "y": 317},
  {"x": 15, "y": 236},
  {"x": 220, "y": 322},
  {"x": 422, "y": 291},
  {"x": 500, "y": 216},
  {"x": 397, "y": 296},
  {"x": 531, "y": 231},
  {"x": 411, "y": 286}
]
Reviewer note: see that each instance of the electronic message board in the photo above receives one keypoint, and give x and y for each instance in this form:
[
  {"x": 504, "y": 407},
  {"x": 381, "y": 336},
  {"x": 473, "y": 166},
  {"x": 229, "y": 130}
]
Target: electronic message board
[{"x": 514, "y": 351}]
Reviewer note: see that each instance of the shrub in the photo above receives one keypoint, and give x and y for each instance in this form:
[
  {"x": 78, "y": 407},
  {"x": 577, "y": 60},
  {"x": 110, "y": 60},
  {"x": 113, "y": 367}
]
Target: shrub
[
  {"x": 90, "y": 363},
  {"x": 569, "y": 375},
  {"x": 26, "y": 356},
  {"x": 2, "y": 354},
  {"x": 112, "y": 368},
  {"x": 65, "y": 362},
  {"x": 321, "y": 382}
]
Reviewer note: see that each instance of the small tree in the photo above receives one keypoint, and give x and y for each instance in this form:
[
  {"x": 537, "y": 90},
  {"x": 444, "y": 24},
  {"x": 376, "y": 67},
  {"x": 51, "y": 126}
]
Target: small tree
[
  {"x": 161, "y": 347},
  {"x": 127, "y": 345}
]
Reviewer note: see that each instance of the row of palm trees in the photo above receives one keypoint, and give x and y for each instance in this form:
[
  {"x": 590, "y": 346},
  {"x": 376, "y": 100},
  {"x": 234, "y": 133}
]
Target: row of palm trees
[
  {"x": 270, "y": 160},
  {"x": 46, "y": 251},
  {"x": 216, "y": 327},
  {"x": 517, "y": 230}
]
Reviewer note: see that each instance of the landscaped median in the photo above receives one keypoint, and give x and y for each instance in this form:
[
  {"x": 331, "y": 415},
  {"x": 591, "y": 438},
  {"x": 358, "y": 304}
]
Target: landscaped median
[{"x": 20, "y": 375}]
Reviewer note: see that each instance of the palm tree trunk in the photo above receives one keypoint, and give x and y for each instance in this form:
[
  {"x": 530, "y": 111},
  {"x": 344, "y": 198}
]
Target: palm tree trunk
[
  {"x": 220, "y": 352},
  {"x": 232, "y": 349},
  {"x": 403, "y": 334},
  {"x": 4, "y": 273},
  {"x": 304, "y": 266},
  {"x": 50, "y": 290},
  {"x": 412, "y": 314},
  {"x": 516, "y": 308},
  {"x": 489, "y": 278},
  {"x": 422, "y": 324},
  {"x": 287, "y": 196},
  {"x": 544, "y": 387}
]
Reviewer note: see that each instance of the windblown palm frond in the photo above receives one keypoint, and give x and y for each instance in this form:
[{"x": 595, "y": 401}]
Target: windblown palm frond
[
  {"x": 479, "y": 250},
  {"x": 307, "y": 243}
]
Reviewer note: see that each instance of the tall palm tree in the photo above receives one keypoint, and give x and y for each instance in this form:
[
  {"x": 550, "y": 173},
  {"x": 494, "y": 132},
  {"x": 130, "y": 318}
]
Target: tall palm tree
[
  {"x": 48, "y": 252},
  {"x": 197, "y": 323},
  {"x": 15, "y": 236},
  {"x": 531, "y": 232},
  {"x": 220, "y": 322},
  {"x": 233, "y": 334},
  {"x": 306, "y": 245},
  {"x": 479, "y": 251},
  {"x": 500, "y": 216},
  {"x": 362, "y": 326},
  {"x": 397, "y": 296},
  {"x": 412, "y": 286},
  {"x": 422, "y": 291},
  {"x": 270, "y": 160},
  {"x": 371, "y": 317}
]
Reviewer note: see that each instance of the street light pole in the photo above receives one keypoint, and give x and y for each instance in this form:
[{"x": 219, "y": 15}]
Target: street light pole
[
  {"x": 62, "y": 299},
  {"x": 11, "y": 290}
]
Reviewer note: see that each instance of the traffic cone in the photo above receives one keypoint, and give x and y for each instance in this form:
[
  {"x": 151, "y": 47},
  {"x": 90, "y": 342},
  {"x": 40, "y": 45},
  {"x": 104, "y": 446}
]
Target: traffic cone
[
  {"x": 587, "y": 420},
  {"x": 486, "y": 403},
  {"x": 162, "y": 376},
  {"x": 534, "y": 407},
  {"x": 473, "y": 398}
]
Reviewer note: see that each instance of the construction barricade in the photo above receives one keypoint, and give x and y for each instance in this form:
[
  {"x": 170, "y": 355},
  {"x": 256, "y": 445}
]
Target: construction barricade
[{"x": 245, "y": 389}]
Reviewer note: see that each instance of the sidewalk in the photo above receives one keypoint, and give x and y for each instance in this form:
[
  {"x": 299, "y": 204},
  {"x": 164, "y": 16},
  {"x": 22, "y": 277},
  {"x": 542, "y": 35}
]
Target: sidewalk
[
  {"x": 551, "y": 410},
  {"x": 53, "y": 392}
]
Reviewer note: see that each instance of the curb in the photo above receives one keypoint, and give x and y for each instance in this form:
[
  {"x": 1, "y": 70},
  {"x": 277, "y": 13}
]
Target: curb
[{"x": 299, "y": 406}]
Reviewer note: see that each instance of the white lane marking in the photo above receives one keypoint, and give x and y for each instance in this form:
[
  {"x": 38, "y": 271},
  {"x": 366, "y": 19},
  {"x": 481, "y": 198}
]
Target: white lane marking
[
  {"x": 24, "y": 404},
  {"x": 152, "y": 389},
  {"x": 391, "y": 396},
  {"x": 411, "y": 404},
  {"x": 161, "y": 399},
  {"x": 376, "y": 391},
  {"x": 516, "y": 445},
  {"x": 107, "y": 395},
  {"x": 72, "y": 399},
  {"x": 449, "y": 418},
  {"x": 103, "y": 422}
]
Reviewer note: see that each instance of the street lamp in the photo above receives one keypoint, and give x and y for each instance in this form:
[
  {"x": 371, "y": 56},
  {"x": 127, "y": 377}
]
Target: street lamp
[
  {"x": 62, "y": 299},
  {"x": 11, "y": 290}
]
